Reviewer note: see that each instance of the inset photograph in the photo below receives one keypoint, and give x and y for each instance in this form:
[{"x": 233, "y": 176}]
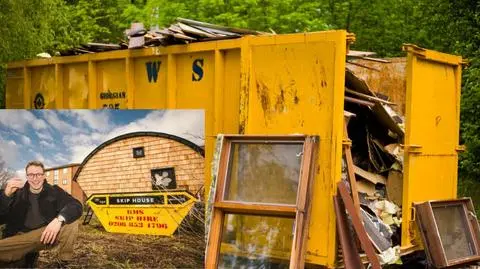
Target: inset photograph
[{"x": 102, "y": 189}]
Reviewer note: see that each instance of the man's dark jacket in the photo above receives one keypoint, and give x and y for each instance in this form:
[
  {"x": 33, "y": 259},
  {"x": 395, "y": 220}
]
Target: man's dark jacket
[{"x": 52, "y": 201}]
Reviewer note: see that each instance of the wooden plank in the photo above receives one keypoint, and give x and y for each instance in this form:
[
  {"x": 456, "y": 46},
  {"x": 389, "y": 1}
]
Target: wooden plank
[
  {"x": 218, "y": 27},
  {"x": 192, "y": 30},
  {"x": 351, "y": 258},
  {"x": 214, "y": 241},
  {"x": 358, "y": 101},
  {"x": 256, "y": 209},
  {"x": 395, "y": 187},
  {"x": 431, "y": 238},
  {"x": 351, "y": 177},
  {"x": 217, "y": 31},
  {"x": 215, "y": 234},
  {"x": 297, "y": 256},
  {"x": 372, "y": 177},
  {"x": 372, "y": 98},
  {"x": 358, "y": 226},
  {"x": 222, "y": 170},
  {"x": 358, "y": 53}
]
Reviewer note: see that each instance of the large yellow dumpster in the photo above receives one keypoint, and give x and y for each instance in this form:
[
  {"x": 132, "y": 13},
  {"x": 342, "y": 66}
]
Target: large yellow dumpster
[{"x": 279, "y": 84}]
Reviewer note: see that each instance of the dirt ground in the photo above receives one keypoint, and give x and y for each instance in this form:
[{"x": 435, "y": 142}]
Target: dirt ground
[{"x": 96, "y": 248}]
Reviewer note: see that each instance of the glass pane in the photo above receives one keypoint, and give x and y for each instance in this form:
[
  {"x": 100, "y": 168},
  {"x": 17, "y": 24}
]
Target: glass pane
[
  {"x": 264, "y": 173},
  {"x": 256, "y": 242},
  {"x": 454, "y": 232}
]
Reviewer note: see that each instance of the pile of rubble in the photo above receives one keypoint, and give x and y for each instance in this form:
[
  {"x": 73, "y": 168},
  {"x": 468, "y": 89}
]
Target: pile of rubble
[
  {"x": 183, "y": 31},
  {"x": 372, "y": 166}
]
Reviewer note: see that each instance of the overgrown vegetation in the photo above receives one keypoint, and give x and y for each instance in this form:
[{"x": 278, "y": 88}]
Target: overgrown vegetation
[{"x": 33, "y": 26}]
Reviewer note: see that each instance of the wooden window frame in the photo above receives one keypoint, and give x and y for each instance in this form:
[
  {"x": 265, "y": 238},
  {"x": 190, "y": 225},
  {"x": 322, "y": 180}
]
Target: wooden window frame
[
  {"x": 300, "y": 211},
  {"x": 431, "y": 236}
]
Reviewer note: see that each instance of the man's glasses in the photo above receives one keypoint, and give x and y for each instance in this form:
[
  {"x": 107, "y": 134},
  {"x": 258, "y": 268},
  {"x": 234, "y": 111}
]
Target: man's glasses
[{"x": 32, "y": 175}]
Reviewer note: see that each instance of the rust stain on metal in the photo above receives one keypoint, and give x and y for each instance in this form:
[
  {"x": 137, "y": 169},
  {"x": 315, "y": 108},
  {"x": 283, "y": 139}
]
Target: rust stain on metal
[
  {"x": 390, "y": 80},
  {"x": 262, "y": 92},
  {"x": 243, "y": 103},
  {"x": 280, "y": 104}
]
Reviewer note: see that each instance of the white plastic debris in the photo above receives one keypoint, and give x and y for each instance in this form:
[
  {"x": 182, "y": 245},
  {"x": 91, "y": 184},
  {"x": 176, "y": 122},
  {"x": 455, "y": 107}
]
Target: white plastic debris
[
  {"x": 44, "y": 55},
  {"x": 390, "y": 256}
]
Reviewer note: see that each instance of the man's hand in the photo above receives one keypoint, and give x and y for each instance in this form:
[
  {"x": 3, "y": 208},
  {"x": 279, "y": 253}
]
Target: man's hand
[
  {"x": 50, "y": 233},
  {"x": 13, "y": 185}
]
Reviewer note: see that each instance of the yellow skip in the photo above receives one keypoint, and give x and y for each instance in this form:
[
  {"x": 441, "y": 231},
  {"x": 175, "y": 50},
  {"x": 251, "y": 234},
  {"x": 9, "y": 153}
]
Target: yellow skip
[{"x": 154, "y": 213}]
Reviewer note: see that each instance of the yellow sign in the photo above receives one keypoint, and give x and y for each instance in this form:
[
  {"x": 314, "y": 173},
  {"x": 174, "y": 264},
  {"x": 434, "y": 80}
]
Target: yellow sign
[{"x": 155, "y": 213}]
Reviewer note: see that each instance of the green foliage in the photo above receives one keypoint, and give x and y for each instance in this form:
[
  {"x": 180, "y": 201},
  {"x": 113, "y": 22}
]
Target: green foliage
[{"x": 288, "y": 16}]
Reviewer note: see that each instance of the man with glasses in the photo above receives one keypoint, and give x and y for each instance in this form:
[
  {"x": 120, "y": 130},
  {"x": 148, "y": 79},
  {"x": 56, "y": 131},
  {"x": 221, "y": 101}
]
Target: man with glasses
[{"x": 37, "y": 216}]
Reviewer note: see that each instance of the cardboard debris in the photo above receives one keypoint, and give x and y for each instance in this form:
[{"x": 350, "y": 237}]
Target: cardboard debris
[
  {"x": 366, "y": 187},
  {"x": 395, "y": 187},
  {"x": 386, "y": 211},
  {"x": 390, "y": 256},
  {"x": 396, "y": 151}
]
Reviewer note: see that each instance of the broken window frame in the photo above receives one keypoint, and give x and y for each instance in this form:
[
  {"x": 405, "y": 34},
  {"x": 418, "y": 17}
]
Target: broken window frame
[
  {"x": 300, "y": 211},
  {"x": 430, "y": 234}
]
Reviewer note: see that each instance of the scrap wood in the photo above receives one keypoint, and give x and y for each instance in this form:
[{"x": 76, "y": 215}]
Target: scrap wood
[
  {"x": 364, "y": 66},
  {"x": 373, "y": 178},
  {"x": 357, "y": 84},
  {"x": 176, "y": 29},
  {"x": 358, "y": 101},
  {"x": 217, "y": 31},
  {"x": 347, "y": 151},
  {"x": 218, "y": 27},
  {"x": 192, "y": 30},
  {"x": 183, "y": 37},
  {"x": 366, "y": 187},
  {"x": 375, "y": 154},
  {"x": 396, "y": 151},
  {"x": 350, "y": 253},
  {"x": 358, "y": 53},
  {"x": 375, "y": 59},
  {"x": 371, "y": 98},
  {"x": 395, "y": 187},
  {"x": 358, "y": 226}
]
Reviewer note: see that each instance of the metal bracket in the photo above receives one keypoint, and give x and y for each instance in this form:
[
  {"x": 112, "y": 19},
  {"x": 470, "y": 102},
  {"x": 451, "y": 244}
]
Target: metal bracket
[{"x": 414, "y": 149}]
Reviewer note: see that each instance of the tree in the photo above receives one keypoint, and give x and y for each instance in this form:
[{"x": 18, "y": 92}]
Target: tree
[{"x": 5, "y": 173}]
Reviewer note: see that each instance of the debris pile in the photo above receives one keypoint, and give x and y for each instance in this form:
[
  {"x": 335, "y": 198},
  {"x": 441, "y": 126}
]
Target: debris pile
[
  {"x": 183, "y": 31},
  {"x": 373, "y": 165}
]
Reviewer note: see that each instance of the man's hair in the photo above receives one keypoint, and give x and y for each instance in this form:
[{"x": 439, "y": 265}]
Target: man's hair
[{"x": 35, "y": 163}]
